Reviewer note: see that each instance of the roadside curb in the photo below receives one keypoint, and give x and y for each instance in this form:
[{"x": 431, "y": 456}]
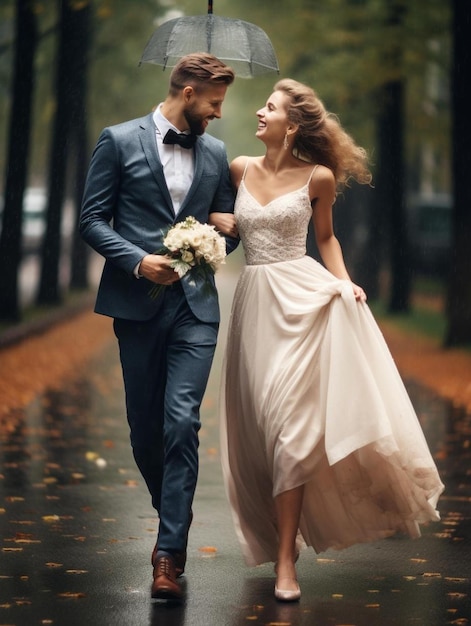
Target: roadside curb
[{"x": 23, "y": 330}]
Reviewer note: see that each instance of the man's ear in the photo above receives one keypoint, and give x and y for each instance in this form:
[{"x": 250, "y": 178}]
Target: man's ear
[{"x": 188, "y": 92}]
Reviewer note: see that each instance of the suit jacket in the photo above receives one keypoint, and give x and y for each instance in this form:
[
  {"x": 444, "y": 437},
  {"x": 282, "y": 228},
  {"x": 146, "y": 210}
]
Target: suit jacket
[{"x": 127, "y": 208}]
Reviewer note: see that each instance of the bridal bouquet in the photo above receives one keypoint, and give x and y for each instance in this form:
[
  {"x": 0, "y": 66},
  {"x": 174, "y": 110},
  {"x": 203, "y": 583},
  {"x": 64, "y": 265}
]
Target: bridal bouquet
[{"x": 193, "y": 247}]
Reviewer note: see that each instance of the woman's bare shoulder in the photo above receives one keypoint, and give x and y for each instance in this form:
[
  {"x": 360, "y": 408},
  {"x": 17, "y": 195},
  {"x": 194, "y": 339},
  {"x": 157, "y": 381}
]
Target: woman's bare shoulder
[
  {"x": 323, "y": 183},
  {"x": 323, "y": 173},
  {"x": 238, "y": 165}
]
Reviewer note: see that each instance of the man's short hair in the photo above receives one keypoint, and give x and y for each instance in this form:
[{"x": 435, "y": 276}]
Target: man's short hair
[{"x": 199, "y": 70}]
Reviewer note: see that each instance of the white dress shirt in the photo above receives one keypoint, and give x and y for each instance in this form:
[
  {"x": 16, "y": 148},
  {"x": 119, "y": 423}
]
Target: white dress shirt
[{"x": 178, "y": 164}]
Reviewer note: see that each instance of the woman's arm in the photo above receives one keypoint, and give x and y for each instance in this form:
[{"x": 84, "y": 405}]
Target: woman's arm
[
  {"x": 224, "y": 223},
  {"x": 323, "y": 183}
]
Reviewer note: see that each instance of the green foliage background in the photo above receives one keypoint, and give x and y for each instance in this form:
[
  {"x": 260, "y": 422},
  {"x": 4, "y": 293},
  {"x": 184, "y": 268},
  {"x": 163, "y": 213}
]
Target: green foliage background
[{"x": 337, "y": 47}]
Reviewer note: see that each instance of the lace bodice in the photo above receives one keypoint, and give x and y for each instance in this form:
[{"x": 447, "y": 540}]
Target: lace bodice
[{"x": 275, "y": 231}]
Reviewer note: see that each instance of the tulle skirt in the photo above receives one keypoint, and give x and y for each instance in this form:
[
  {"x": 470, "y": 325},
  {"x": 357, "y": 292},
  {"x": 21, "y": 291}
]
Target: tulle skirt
[{"x": 311, "y": 396}]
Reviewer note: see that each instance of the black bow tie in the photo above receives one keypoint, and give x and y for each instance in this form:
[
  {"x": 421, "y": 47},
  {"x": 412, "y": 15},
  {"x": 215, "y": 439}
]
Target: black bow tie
[{"x": 183, "y": 140}]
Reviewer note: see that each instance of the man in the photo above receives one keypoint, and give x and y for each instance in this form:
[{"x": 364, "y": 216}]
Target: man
[{"x": 139, "y": 183}]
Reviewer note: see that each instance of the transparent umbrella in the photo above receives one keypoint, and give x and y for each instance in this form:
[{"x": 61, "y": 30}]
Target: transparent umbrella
[{"x": 242, "y": 45}]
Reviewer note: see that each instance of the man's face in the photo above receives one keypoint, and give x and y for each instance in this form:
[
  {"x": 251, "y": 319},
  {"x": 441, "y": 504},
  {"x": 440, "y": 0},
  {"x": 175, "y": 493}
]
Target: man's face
[{"x": 203, "y": 106}]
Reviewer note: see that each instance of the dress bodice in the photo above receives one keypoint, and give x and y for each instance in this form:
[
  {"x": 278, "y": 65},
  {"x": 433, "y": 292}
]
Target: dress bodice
[{"x": 275, "y": 231}]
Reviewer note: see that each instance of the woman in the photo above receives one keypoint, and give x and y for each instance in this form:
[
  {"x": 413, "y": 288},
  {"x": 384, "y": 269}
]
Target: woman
[{"x": 320, "y": 443}]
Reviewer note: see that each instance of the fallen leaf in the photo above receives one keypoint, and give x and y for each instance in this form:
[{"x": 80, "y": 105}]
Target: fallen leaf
[
  {"x": 12, "y": 549},
  {"x": 209, "y": 549},
  {"x": 456, "y": 580}
]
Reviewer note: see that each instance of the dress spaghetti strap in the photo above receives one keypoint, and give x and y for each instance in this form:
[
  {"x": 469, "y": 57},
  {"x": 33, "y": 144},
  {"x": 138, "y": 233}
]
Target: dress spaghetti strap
[
  {"x": 245, "y": 169},
  {"x": 310, "y": 176}
]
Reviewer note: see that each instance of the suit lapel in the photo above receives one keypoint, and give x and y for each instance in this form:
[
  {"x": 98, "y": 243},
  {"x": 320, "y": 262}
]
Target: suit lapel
[
  {"x": 199, "y": 162},
  {"x": 149, "y": 146}
]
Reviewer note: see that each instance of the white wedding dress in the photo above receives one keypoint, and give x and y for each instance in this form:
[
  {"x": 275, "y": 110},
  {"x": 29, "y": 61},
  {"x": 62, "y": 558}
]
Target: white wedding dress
[{"x": 311, "y": 396}]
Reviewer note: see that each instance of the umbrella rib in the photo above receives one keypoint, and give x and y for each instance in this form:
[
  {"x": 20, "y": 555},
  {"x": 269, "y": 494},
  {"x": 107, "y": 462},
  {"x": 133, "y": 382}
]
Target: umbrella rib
[{"x": 209, "y": 31}]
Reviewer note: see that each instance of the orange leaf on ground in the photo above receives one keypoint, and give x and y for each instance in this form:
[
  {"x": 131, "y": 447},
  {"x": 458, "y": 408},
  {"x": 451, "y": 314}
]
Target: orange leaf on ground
[{"x": 209, "y": 549}]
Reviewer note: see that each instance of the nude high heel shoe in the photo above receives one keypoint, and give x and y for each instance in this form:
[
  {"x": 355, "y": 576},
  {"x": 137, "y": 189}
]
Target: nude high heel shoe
[{"x": 288, "y": 595}]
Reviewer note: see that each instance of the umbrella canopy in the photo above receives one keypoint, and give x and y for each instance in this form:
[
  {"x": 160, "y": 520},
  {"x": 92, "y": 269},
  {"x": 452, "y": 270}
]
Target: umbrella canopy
[{"x": 242, "y": 45}]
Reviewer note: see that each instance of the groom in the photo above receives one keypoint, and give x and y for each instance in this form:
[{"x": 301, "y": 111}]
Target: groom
[{"x": 145, "y": 175}]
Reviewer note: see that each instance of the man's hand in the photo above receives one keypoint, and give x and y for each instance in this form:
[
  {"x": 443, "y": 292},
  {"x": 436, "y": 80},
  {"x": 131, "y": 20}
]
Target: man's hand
[{"x": 156, "y": 268}]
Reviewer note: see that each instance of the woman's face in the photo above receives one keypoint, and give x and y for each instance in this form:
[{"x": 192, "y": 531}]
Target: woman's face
[{"x": 273, "y": 118}]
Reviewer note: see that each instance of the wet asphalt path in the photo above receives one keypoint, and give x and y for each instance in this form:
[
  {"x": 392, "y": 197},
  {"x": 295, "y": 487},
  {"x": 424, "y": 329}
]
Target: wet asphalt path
[{"x": 77, "y": 528}]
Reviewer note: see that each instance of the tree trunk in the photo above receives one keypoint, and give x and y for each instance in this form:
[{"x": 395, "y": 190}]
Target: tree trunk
[
  {"x": 399, "y": 246},
  {"x": 459, "y": 286},
  {"x": 393, "y": 146},
  {"x": 49, "y": 285},
  {"x": 81, "y": 47},
  {"x": 18, "y": 158}
]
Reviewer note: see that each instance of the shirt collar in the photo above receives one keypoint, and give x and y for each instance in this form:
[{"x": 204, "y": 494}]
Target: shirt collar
[{"x": 162, "y": 123}]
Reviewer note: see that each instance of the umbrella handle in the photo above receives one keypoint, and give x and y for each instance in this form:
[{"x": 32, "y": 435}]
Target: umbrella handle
[{"x": 210, "y": 7}]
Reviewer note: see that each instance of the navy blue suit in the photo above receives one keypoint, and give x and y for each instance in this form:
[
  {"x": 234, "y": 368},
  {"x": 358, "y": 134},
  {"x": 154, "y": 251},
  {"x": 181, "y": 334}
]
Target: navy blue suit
[{"x": 166, "y": 344}]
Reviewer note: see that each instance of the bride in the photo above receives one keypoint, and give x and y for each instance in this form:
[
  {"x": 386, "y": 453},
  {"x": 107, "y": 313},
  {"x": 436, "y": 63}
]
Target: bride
[{"x": 320, "y": 444}]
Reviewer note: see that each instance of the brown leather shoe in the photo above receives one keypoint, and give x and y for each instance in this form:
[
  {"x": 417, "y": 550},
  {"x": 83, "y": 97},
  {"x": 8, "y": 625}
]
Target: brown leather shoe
[
  {"x": 165, "y": 586},
  {"x": 179, "y": 557}
]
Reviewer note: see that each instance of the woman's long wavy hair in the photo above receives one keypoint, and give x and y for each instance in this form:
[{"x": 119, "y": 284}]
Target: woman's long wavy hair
[{"x": 320, "y": 137}]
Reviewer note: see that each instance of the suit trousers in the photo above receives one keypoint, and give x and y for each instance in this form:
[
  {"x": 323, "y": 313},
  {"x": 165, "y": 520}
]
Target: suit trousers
[{"x": 166, "y": 363}]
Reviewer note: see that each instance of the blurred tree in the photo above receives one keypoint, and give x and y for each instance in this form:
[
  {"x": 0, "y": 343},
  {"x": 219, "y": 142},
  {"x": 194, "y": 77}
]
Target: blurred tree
[
  {"x": 391, "y": 158},
  {"x": 79, "y": 138},
  {"x": 49, "y": 287},
  {"x": 459, "y": 286},
  {"x": 18, "y": 159}
]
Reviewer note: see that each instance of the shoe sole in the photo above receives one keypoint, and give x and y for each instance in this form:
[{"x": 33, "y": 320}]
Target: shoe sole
[{"x": 164, "y": 594}]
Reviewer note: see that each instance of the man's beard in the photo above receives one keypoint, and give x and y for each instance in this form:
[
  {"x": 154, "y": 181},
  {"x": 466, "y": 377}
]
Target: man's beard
[{"x": 195, "y": 122}]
